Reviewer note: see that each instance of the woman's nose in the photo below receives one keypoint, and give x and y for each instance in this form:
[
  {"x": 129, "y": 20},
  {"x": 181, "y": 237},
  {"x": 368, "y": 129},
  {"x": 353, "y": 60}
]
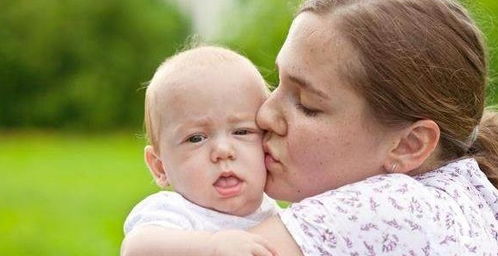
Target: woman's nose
[
  {"x": 222, "y": 149},
  {"x": 270, "y": 115}
]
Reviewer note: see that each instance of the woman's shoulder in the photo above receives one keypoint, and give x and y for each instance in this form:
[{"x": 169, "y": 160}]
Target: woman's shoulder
[
  {"x": 369, "y": 216},
  {"x": 390, "y": 194},
  {"x": 445, "y": 184},
  {"x": 394, "y": 213},
  {"x": 383, "y": 198}
]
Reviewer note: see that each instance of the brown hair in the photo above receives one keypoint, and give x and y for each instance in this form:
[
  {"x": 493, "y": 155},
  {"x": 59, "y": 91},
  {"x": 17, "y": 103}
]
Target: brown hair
[{"x": 420, "y": 59}]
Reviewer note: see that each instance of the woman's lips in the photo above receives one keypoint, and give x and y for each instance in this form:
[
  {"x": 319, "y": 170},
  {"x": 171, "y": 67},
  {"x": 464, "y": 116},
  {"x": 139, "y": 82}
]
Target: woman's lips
[
  {"x": 268, "y": 152},
  {"x": 270, "y": 161},
  {"x": 228, "y": 186}
]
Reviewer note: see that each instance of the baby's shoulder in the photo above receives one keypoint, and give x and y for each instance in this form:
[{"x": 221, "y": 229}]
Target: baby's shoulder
[
  {"x": 162, "y": 209},
  {"x": 161, "y": 200}
]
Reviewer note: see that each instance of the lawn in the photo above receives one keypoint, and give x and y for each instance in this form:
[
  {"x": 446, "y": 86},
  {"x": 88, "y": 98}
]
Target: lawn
[{"x": 68, "y": 194}]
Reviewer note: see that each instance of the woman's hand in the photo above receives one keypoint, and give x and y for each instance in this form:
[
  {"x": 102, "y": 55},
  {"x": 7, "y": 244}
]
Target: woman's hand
[{"x": 239, "y": 243}]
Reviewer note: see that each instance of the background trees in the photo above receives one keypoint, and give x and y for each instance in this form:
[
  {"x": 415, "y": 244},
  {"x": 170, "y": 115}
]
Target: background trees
[{"x": 80, "y": 65}]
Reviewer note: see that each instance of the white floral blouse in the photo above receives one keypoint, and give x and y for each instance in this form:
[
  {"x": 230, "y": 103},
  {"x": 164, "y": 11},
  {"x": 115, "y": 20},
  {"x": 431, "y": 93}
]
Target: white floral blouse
[{"x": 449, "y": 211}]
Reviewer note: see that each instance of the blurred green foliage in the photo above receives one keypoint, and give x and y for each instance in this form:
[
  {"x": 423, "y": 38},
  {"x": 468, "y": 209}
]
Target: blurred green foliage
[
  {"x": 260, "y": 27},
  {"x": 485, "y": 12},
  {"x": 79, "y": 64}
]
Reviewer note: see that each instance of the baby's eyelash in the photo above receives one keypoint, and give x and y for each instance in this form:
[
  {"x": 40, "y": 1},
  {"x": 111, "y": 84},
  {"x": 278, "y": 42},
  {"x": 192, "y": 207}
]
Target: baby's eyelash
[
  {"x": 196, "y": 138},
  {"x": 306, "y": 111},
  {"x": 242, "y": 132},
  {"x": 246, "y": 131}
]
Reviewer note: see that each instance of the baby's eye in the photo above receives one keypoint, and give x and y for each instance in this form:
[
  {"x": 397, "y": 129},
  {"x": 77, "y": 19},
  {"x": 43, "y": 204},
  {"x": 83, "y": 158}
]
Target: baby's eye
[
  {"x": 242, "y": 132},
  {"x": 196, "y": 138}
]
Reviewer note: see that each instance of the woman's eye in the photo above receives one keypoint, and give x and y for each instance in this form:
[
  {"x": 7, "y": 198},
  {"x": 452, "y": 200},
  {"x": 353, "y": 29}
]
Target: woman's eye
[
  {"x": 196, "y": 138},
  {"x": 242, "y": 132},
  {"x": 306, "y": 111}
]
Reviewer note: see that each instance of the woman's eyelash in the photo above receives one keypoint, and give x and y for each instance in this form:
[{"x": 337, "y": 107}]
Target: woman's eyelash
[{"x": 306, "y": 111}]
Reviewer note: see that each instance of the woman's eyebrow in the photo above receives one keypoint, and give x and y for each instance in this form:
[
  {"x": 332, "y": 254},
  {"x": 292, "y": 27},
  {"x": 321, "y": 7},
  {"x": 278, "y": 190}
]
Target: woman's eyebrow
[
  {"x": 304, "y": 84},
  {"x": 307, "y": 86}
]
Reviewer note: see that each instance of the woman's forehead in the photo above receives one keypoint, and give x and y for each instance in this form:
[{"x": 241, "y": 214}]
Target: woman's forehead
[
  {"x": 313, "y": 51},
  {"x": 312, "y": 40}
]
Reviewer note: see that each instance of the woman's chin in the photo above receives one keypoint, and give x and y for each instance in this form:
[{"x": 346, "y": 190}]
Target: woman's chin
[{"x": 280, "y": 191}]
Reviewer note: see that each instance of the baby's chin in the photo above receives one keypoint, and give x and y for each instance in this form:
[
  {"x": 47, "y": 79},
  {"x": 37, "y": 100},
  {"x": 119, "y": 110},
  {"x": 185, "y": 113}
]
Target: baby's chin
[{"x": 240, "y": 208}]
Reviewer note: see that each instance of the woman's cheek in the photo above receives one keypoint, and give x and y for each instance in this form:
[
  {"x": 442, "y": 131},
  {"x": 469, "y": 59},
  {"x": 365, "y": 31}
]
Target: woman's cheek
[{"x": 309, "y": 151}]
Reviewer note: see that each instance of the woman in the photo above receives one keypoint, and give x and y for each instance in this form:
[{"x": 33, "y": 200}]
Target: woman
[
  {"x": 378, "y": 133},
  {"x": 386, "y": 96}
]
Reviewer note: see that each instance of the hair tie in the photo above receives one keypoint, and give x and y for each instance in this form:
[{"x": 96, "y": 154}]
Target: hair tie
[{"x": 473, "y": 136}]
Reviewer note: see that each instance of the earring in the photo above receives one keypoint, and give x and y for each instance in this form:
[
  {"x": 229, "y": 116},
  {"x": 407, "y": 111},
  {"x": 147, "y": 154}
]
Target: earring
[{"x": 394, "y": 167}]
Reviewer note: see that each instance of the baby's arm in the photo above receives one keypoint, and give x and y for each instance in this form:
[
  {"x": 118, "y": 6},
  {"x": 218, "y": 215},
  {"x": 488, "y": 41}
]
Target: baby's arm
[{"x": 156, "y": 241}]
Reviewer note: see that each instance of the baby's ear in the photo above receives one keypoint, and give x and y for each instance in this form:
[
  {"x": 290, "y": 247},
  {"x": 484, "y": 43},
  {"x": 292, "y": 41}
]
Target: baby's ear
[{"x": 156, "y": 166}]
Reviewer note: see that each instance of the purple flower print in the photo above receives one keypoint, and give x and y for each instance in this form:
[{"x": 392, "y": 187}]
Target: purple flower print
[
  {"x": 369, "y": 226},
  {"x": 373, "y": 204},
  {"x": 443, "y": 212},
  {"x": 448, "y": 239},
  {"x": 370, "y": 249},
  {"x": 389, "y": 242},
  {"x": 471, "y": 248},
  {"x": 329, "y": 238},
  {"x": 427, "y": 249},
  {"x": 413, "y": 225},
  {"x": 395, "y": 204},
  {"x": 348, "y": 242}
]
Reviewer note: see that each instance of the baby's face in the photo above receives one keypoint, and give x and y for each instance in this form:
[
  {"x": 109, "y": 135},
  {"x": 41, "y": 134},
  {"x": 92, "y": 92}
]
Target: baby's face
[{"x": 209, "y": 142}]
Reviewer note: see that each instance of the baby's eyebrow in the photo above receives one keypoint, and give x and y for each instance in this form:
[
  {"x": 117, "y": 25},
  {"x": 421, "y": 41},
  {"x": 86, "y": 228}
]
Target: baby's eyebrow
[
  {"x": 241, "y": 117},
  {"x": 200, "y": 122}
]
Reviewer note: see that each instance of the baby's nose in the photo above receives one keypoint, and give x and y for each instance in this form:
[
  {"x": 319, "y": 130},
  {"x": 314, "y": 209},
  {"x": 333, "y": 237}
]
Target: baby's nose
[{"x": 222, "y": 150}]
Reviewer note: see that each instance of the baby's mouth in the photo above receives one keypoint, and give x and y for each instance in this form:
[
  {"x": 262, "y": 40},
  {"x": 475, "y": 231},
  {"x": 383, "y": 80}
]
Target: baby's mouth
[{"x": 228, "y": 185}]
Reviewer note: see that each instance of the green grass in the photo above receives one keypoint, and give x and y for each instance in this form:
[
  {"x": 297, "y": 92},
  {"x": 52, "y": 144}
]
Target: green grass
[{"x": 68, "y": 195}]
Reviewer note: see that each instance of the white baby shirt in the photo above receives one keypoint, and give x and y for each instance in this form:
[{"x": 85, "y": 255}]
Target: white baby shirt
[
  {"x": 449, "y": 211},
  {"x": 171, "y": 210}
]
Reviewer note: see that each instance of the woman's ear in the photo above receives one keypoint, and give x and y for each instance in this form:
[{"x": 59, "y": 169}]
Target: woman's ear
[
  {"x": 415, "y": 145},
  {"x": 156, "y": 166}
]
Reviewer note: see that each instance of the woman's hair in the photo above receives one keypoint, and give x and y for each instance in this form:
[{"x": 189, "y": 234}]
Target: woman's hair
[{"x": 420, "y": 59}]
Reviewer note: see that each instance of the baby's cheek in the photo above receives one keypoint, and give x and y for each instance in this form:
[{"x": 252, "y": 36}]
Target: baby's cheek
[{"x": 252, "y": 156}]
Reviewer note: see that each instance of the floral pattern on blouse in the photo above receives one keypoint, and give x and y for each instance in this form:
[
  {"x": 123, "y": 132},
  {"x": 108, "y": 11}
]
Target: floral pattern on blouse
[{"x": 449, "y": 211}]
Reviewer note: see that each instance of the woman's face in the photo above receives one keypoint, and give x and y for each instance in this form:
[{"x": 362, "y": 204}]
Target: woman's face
[{"x": 320, "y": 133}]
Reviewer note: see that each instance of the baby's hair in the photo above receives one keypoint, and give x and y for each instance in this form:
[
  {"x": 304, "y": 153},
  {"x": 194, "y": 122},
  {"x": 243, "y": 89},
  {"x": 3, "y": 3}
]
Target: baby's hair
[
  {"x": 195, "y": 55},
  {"x": 192, "y": 42}
]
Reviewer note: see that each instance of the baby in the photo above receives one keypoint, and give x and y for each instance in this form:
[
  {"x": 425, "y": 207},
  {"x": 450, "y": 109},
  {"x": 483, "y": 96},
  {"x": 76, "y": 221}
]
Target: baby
[{"x": 200, "y": 114}]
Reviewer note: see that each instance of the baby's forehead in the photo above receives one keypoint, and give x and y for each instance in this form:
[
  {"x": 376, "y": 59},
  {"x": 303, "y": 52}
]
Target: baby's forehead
[
  {"x": 211, "y": 71},
  {"x": 200, "y": 66}
]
